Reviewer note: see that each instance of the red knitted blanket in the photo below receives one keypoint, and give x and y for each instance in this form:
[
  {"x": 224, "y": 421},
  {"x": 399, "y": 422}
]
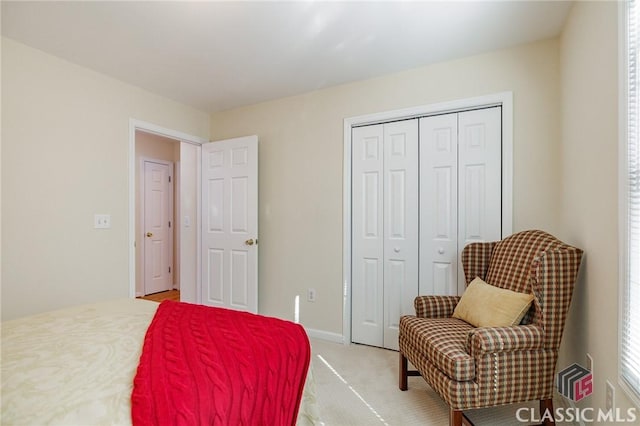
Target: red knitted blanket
[{"x": 203, "y": 365}]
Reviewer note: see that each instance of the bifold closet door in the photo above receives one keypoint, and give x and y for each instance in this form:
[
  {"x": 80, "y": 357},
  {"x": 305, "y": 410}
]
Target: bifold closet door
[
  {"x": 460, "y": 193},
  {"x": 384, "y": 230},
  {"x": 367, "y": 236},
  {"x": 480, "y": 179},
  {"x": 439, "y": 204}
]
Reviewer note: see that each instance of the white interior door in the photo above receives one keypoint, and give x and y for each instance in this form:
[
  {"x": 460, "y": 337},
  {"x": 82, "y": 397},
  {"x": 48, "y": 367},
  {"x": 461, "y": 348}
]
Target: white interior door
[
  {"x": 480, "y": 179},
  {"x": 439, "y": 204},
  {"x": 157, "y": 227},
  {"x": 385, "y": 230},
  {"x": 400, "y": 225},
  {"x": 367, "y": 236},
  {"x": 230, "y": 224}
]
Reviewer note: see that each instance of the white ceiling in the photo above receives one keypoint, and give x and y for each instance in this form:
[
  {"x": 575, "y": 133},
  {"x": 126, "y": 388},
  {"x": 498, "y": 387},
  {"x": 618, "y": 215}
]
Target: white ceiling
[{"x": 220, "y": 55}]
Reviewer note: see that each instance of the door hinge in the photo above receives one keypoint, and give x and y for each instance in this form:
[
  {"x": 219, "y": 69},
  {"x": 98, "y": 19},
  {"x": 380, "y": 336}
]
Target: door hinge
[
  {"x": 169, "y": 269},
  {"x": 169, "y": 179},
  {"x": 169, "y": 224}
]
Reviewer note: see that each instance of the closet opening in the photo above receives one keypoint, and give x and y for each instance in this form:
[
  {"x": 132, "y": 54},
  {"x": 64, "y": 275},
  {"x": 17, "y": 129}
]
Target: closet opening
[{"x": 420, "y": 184}]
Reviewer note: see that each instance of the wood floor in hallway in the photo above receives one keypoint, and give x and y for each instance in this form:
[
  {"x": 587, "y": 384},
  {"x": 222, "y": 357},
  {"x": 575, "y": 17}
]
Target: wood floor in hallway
[{"x": 163, "y": 295}]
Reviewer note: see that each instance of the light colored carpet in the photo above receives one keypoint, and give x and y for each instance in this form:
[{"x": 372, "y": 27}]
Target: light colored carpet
[{"x": 358, "y": 385}]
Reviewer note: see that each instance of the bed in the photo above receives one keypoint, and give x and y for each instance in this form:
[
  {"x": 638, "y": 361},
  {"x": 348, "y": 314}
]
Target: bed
[{"x": 76, "y": 366}]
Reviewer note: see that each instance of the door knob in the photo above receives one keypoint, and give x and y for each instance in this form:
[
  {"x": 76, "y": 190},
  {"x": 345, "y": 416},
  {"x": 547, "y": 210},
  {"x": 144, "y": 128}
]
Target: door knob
[
  {"x": 441, "y": 250},
  {"x": 249, "y": 242},
  {"x": 396, "y": 249},
  {"x": 149, "y": 234}
]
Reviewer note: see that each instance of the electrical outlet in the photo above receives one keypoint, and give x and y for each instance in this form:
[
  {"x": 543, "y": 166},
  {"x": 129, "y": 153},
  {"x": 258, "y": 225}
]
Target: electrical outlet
[
  {"x": 589, "y": 362},
  {"x": 311, "y": 295},
  {"x": 102, "y": 221},
  {"x": 610, "y": 398}
]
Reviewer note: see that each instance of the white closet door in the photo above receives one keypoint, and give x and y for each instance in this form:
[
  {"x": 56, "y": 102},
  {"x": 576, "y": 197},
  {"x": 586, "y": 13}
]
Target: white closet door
[
  {"x": 422, "y": 190},
  {"x": 439, "y": 204},
  {"x": 460, "y": 193},
  {"x": 480, "y": 177},
  {"x": 385, "y": 230},
  {"x": 367, "y": 235},
  {"x": 400, "y": 225}
]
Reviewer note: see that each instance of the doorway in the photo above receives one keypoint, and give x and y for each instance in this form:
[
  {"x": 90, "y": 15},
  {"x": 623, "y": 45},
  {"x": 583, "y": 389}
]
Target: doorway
[
  {"x": 187, "y": 221},
  {"x": 157, "y": 195}
]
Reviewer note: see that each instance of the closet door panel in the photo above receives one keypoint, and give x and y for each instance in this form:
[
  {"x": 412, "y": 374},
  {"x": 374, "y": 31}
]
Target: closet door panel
[
  {"x": 439, "y": 204},
  {"x": 367, "y": 235},
  {"x": 400, "y": 225},
  {"x": 480, "y": 176}
]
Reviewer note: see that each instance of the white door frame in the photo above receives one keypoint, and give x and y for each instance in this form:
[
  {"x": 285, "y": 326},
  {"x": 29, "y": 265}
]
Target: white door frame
[
  {"x": 134, "y": 125},
  {"x": 504, "y": 99}
]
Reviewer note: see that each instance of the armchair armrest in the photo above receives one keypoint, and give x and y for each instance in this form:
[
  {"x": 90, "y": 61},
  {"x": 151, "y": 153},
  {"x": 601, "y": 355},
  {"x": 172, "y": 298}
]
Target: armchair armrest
[
  {"x": 435, "y": 306},
  {"x": 484, "y": 340}
]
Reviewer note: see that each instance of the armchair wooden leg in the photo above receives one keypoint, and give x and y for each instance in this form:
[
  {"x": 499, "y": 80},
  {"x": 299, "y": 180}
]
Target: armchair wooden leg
[
  {"x": 546, "y": 412},
  {"x": 455, "y": 418},
  {"x": 402, "y": 383},
  {"x": 458, "y": 418},
  {"x": 404, "y": 372}
]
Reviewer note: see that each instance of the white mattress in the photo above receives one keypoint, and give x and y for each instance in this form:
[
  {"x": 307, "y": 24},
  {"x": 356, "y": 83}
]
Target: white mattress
[{"x": 76, "y": 366}]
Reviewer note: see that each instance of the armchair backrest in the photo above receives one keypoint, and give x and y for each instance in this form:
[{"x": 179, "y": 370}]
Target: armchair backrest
[{"x": 530, "y": 262}]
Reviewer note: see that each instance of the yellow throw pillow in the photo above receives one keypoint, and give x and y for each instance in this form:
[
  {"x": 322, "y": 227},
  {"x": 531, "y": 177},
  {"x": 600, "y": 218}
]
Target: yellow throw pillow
[{"x": 484, "y": 305}]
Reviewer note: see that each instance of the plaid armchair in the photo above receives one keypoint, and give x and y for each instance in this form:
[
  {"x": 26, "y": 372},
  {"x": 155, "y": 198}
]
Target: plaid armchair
[{"x": 473, "y": 367}]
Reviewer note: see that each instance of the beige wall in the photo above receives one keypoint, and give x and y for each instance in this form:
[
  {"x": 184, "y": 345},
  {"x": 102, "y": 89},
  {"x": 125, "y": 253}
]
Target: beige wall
[
  {"x": 155, "y": 147},
  {"x": 65, "y": 157},
  {"x": 589, "y": 173},
  {"x": 301, "y": 164}
]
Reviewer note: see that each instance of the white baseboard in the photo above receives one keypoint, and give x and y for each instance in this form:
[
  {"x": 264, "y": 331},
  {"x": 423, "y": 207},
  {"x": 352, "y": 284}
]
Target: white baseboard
[
  {"x": 138, "y": 294},
  {"x": 324, "y": 335}
]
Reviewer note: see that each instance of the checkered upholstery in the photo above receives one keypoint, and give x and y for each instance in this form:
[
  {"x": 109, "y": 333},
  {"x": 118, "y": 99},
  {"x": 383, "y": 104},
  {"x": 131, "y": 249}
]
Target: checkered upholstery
[
  {"x": 479, "y": 367},
  {"x": 448, "y": 350},
  {"x": 486, "y": 340},
  {"x": 435, "y": 306},
  {"x": 475, "y": 260}
]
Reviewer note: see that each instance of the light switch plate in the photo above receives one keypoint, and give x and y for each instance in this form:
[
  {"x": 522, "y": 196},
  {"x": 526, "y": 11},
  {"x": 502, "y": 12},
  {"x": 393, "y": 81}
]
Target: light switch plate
[{"x": 102, "y": 221}]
